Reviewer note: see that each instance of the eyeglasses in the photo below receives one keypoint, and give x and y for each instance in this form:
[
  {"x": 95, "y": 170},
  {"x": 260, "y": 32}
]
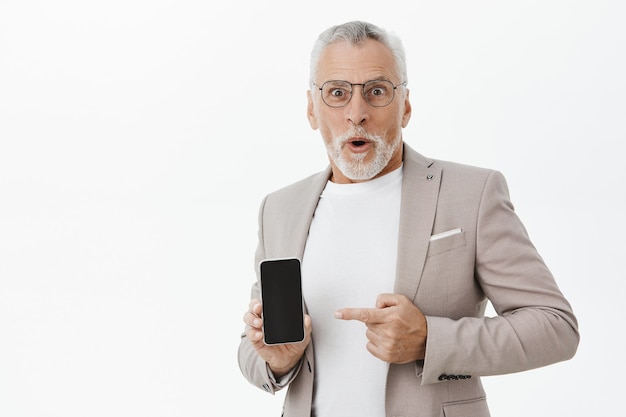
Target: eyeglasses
[{"x": 377, "y": 93}]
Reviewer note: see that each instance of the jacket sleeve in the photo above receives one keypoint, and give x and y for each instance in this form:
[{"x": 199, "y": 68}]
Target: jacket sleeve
[
  {"x": 253, "y": 368},
  {"x": 535, "y": 325}
]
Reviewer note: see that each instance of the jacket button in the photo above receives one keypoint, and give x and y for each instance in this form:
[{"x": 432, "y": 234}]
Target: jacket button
[{"x": 444, "y": 377}]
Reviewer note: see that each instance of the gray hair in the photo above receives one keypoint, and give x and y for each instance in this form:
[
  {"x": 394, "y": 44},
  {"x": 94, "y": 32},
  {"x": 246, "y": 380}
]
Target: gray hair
[{"x": 357, "y": 32}]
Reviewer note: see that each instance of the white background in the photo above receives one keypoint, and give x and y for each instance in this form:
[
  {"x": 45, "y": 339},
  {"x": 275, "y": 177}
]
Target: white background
[{"x": 138, "y": 137}]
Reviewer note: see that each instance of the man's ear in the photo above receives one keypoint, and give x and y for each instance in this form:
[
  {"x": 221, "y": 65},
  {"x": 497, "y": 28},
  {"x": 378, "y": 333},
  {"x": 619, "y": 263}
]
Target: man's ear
[
  {"x": 310, "y": 111},
  {"x": 407, "y": 110}
]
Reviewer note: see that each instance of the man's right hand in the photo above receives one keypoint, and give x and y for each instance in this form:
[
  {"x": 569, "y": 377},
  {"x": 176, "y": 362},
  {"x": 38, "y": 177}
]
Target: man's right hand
[{"x": 280, "y": 358}]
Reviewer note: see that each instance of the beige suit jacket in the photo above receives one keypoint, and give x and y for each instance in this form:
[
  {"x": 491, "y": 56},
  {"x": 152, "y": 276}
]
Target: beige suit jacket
[{"x": 449, "y": 279}]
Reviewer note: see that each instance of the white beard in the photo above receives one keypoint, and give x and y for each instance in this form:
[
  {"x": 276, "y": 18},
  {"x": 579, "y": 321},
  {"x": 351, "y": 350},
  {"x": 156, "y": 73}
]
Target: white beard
[{"x": 354, "y": 167}]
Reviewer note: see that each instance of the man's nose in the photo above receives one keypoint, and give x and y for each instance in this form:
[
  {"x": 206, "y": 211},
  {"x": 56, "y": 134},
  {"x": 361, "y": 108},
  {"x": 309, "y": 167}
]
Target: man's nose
[{"x": 358, "y": 107}]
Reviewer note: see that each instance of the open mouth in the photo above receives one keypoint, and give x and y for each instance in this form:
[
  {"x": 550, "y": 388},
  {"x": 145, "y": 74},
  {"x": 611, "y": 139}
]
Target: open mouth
[{"x": 357, "y": 144}]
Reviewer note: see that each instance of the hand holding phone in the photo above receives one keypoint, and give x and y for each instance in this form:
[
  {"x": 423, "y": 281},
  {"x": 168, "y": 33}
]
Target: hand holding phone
[{"x": 281, "y": 297}]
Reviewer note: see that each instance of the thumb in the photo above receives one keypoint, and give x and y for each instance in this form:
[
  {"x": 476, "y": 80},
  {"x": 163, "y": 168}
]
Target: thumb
[{"x": 389, "y": 300}]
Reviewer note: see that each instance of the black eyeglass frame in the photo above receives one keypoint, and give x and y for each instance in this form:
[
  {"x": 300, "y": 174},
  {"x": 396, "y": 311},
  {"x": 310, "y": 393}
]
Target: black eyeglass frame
[{"x": 402, "y": 84}]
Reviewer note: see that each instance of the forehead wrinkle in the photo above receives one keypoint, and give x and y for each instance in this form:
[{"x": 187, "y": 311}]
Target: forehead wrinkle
[{"x": 365, "y": 70}]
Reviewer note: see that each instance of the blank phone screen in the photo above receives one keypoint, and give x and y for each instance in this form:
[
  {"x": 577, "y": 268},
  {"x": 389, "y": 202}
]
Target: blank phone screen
[{"x": 281, "y": 294}]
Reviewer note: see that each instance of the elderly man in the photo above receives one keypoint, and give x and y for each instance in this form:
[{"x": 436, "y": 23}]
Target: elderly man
[{"x": 400, "y": 254}]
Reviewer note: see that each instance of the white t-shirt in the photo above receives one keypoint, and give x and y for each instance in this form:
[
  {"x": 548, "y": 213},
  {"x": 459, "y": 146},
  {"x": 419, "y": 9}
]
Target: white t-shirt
[{"x": 350, "y": 258}]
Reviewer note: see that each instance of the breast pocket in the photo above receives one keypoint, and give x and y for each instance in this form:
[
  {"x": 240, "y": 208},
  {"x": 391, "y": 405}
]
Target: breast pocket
[{"x": 445, "y": 244}]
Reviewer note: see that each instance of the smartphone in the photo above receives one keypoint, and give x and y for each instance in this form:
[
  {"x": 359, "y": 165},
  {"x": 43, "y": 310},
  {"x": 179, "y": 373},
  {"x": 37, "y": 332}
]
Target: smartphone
[{"x": 281, "y": 297}]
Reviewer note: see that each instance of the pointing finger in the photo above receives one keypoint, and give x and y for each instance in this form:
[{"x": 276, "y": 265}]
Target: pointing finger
[{"x": 365, "y": 315}]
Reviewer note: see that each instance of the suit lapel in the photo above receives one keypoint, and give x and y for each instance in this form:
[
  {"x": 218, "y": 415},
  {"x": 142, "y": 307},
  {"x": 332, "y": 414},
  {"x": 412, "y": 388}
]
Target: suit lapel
[
  {"x": 420, "y": 191},
  {"x": 303, "y": 211}
]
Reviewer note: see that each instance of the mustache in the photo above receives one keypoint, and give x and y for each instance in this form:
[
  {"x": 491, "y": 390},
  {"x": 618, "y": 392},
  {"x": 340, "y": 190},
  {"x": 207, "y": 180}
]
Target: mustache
[{"x": 358, "y": 132}]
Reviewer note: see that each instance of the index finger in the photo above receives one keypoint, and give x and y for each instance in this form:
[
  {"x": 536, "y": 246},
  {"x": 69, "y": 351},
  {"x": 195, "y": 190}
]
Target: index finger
[{"x": 365, "y": 315}]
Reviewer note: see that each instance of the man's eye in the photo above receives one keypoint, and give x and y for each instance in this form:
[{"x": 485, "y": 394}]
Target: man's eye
[
  {"x": 377, "y": 90},
  {"x": 337, "y": 92}
]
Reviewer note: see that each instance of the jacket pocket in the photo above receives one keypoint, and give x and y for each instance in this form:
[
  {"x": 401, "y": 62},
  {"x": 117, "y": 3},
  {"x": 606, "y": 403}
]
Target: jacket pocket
[
  {"x": 468, "y": 408},
  {"x": 446, "y": 244}
]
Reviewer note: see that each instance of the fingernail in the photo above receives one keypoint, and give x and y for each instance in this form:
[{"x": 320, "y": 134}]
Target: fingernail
[{"x": 338, "y": 315}]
